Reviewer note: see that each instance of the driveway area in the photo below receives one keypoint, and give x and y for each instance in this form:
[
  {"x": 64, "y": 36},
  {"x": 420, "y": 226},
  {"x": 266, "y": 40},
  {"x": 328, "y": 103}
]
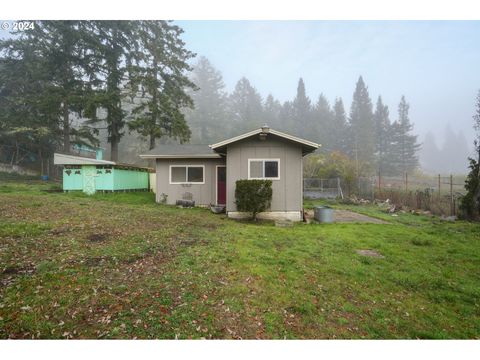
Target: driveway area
[{"x": 346, "y": 216}]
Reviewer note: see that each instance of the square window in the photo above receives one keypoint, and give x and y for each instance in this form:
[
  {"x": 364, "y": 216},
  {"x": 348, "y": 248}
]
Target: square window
[
  {"x": 178, "y": 174},
  {"x": 256, "y": 169},
  {"x": 271, "y": 169},
  {"x": 195, "y": 174}
]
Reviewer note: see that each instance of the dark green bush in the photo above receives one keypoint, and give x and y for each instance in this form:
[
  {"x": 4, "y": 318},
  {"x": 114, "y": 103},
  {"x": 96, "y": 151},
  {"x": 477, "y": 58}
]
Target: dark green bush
[
  {"x": 470, "y": 202},
  {"x": 253, "y": 196}
]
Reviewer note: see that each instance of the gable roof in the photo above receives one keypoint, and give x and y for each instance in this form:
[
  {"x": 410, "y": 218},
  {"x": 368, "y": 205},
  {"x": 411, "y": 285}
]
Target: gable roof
[
  {"x": 180, "y": 151},
  {"x": 192, "y": 151},
  {"x": 307, "y": 146}
]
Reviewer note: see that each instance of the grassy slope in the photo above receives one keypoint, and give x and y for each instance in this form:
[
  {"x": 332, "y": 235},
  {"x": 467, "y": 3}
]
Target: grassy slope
[{"x": 120, "y": 266}]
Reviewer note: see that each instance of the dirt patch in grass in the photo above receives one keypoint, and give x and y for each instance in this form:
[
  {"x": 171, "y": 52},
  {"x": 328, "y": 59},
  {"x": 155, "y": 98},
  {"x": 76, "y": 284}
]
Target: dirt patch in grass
[
  {"x": 345, "y": 216},
  {"x": 188, "y": 242},
  {"x": 16, "y": 270},
  {"x": 97, "y": 237},
  {"x": 370, "y": 253},
  {"x": 10, "y": 273}
]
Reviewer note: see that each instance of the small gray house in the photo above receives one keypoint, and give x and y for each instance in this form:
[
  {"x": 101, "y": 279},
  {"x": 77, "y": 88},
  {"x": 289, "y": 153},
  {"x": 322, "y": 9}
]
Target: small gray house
[{"x": 207, "y": 173}]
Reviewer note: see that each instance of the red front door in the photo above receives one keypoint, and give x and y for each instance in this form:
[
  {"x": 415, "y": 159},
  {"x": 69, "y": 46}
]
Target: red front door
[{"x": 221, "y": 185}]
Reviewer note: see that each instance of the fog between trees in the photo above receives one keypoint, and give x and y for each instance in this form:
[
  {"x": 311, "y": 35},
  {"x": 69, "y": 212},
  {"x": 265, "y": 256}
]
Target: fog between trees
[{"x": 128, "y": 85}]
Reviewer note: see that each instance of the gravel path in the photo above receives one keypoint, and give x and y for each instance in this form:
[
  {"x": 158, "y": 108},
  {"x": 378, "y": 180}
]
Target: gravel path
[{"x": 346, "y": 216}]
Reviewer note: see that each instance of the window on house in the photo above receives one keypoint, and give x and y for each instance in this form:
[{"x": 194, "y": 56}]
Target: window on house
[
  {"x": 264, "y": 169},
  {"x": 195, "y": 174},
  {"x": 185, "y": 174}
]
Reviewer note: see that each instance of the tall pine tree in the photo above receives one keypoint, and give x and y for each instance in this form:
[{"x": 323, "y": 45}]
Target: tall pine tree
[
  {"x": 383, "y": 147},
  {"x": 286, "y": 116},
  {"x": 245, "y": 105},
  {"x": 302, "y": 112},
  {"x": 271, "y": 112},
  {"x": 29, "y": 121},
  {"x": 321, "y": 127},
  {"x": 210, "y": 104},
  {"x": 160, "y": 71},
  {"x": 62, "y": 45},
  {"x": 339, "y": 127},
  {"x": 404, "y": 143},
  {"x": 61, "y": 67},
  {"x": 112, "y": 46},
  {"x": 362, "y": 128}
]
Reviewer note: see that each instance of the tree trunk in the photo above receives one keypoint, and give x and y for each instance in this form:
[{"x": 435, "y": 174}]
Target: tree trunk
[
  {"x": 155, "y": 109},
  {"x": 40, "y": 156},
  {"x": 17, "y": 152},
  {"x": 114, "y": 137},
  {"x": 152, "y": 142},
  {"x": 66, "y": 129},
  {"x": 114, "y": 150}
]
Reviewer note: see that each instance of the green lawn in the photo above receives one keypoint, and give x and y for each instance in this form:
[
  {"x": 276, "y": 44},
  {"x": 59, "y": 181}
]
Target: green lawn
[{"x": 121, "y": 266}]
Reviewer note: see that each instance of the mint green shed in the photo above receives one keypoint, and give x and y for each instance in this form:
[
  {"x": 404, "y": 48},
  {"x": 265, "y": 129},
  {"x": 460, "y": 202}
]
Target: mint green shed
[{"x": 91, "y": 175}]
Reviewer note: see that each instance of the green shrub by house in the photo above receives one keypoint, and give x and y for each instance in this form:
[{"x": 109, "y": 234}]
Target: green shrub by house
[{"x": 253, "y": 196}]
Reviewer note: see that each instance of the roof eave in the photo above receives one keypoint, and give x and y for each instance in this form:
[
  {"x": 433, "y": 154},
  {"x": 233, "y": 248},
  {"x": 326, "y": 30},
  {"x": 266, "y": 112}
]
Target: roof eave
[
  {"x": 295, "y": 139},
  {"x": 310, "y": 150},
  {"x": 181, "y": 156},
  {"x": 235, "y": 139}
]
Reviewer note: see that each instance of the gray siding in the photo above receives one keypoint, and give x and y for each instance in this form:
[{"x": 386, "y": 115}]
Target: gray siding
[
  {"x": 287, "y": 192},
  {"x": 203, "y": 194}
]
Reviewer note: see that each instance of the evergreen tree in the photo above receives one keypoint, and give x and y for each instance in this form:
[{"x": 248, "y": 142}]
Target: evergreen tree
[
  {"x": 321, "y": 129},
  {"x": 339, "y": 133},
  {"x": 470, "y": 202},
  {"x": 210, "y": 104},
  {"x": 271, "y": 112},
  {"x": 60, "y": 68},
  {"x": 405, "y": 146},
  {"x": 29, "y": 127},
  {"x": 362, "y": 126},
  {"x": 161, "y": 73},
  {"x": 246, "y": 106},
  {"x": 382, "y": 137},
  {"x": 286, "y": 116},
  {"x": 61, "y": 44},
  {"x": 112, "y": 46},
  {"x": 302, "y": 112}
]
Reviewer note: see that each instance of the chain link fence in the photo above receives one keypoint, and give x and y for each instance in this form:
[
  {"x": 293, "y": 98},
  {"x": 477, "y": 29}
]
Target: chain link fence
[
  {"x": 317, "y": 188},
  {"x": 438, "y": 194}
]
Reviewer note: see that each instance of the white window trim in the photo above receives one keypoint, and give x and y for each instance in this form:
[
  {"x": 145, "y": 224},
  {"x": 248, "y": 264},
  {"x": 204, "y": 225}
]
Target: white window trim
[
  {"x": 264, "y": 178},
  {"x": 185, "y": 182}
]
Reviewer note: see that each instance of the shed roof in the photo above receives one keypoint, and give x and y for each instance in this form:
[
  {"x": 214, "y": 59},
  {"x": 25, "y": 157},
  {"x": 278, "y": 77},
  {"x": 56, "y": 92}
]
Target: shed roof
[
  {"x": 180, "y": 151},
  {"x": 66, "y": 159}
]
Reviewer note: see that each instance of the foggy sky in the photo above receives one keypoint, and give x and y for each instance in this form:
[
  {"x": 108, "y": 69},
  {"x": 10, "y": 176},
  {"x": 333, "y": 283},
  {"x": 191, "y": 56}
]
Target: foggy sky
[{"x": 435, "y": 64}]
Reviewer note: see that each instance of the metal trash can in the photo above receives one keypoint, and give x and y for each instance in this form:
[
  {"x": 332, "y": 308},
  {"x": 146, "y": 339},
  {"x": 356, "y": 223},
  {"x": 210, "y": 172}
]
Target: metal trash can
[{"x": 323, "y": 214}]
